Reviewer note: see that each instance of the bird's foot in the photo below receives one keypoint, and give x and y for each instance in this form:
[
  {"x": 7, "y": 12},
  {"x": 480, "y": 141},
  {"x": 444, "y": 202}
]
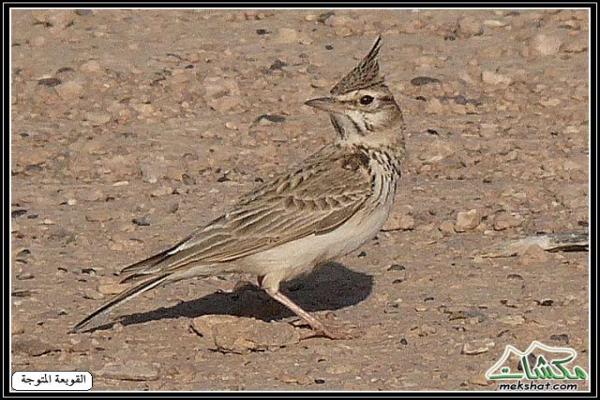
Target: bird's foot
[
  {"x": 336, "y": 332},
  {"x": 331, "y": 331}
]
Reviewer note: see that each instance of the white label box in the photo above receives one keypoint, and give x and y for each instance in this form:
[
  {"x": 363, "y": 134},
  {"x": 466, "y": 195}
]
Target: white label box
[{"x": 51, "y": 381}]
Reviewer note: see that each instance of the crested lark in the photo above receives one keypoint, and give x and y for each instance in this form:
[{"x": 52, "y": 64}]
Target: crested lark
[{"x": 325, "y": 207}]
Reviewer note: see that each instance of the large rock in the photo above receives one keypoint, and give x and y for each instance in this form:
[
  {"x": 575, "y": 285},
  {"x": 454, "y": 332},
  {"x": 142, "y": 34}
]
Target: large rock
[
  {"x": 242, "y": 335},
  {"x": 494, "y": 78},
  {"x": 33, "y": 346},
  {"x": 467, "y": 220},
  {"x": 505, "y": 220},
  {"x": 546, "y": 45},
  {"x": 97, "y": 118},
  {"x": 468, "y": 27},
  {"x": 286, "y": 35},
  {"x": 70, "y": 90},
  {"x": 130, "y": 370}
]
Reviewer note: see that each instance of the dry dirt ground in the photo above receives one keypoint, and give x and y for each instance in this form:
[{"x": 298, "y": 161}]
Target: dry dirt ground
[{"x": 132, "y": 127}]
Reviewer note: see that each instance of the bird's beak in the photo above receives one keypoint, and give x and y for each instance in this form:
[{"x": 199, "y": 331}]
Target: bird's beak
[{"x": 328, "y": 104}]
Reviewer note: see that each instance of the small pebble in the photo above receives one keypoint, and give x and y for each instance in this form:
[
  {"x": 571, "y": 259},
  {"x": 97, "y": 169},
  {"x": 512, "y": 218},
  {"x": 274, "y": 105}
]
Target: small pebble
[
  {"x": 98, "y": 117},
  {"x": 477, "y": 346},
  {"x": 161, "y": 191},
  {"x": 546, "y": 45},
  {"x": 92, "y": 294},
  {"x": 34, "y": 347},
  {"x": 110, "y": 288},
  {"x": 99, "y": 215},
  {"x": 91, "y": 66},
  {"x": 513, "y": 320},
  {"x": 142, "y": 221},
  {"x": 494, "y": 78},
  {"x": 469, "y": 26},
  {"x": 533, "y": 255},
  {"x": 50, "y": 82},
  {"x": 286, "y": 35},
  {"x": 83, "y": 12},
  {"x": 505, "y": 220},
  {"x": 467, "y": 220},
  {"x": 130, "y": 370},
  {"x": 396, "y": 267},
  {"x": 423, "y": 80}
]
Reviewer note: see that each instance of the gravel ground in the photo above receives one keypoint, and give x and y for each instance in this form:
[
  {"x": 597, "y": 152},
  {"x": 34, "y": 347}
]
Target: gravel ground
[{"x": 132, "y": 127}]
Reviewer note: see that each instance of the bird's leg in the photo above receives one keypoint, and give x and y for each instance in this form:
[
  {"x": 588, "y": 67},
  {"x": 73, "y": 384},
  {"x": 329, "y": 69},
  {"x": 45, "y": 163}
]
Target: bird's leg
[{"x": 317, "y": 326}]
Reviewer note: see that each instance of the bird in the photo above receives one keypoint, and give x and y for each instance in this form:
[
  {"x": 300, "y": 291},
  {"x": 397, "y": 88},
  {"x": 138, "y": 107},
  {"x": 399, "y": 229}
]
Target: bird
[{"x": 322, "y": 208}]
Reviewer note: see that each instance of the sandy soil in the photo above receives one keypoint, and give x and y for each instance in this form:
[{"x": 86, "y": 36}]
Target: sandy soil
[{"x": 130, "y": 128}]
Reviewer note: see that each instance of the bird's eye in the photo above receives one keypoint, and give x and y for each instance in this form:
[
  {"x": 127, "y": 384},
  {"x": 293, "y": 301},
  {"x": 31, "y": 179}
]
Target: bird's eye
[{"x": 366, "y": 100}]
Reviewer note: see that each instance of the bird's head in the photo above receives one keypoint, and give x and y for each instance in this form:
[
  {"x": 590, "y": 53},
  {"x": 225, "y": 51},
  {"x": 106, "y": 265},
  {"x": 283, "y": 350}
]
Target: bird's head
[{"x": 360, "y": 104}]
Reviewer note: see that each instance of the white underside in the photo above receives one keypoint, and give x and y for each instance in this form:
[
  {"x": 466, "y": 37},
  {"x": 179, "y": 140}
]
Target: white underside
[{"x": 301, "y": 256}]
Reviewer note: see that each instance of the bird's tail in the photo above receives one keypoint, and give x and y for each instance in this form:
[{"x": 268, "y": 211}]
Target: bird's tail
[{"x": 121, "y": 298}]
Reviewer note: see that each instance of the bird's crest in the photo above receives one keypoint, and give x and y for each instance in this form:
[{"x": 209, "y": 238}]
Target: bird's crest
[{"x": 364, "y": 75}]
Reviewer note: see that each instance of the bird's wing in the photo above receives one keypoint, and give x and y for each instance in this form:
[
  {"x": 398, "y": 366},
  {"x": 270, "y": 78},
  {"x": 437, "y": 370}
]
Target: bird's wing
[{"x": 314, "y": 198}]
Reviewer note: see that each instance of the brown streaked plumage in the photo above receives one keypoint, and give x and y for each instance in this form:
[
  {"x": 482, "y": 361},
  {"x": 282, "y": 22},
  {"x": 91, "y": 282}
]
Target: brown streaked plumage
[{"x": 325, "y": 207}]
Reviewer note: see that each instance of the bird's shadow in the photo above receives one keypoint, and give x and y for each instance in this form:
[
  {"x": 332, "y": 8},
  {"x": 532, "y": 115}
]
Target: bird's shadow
[{"x": 331, "y": 286}]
